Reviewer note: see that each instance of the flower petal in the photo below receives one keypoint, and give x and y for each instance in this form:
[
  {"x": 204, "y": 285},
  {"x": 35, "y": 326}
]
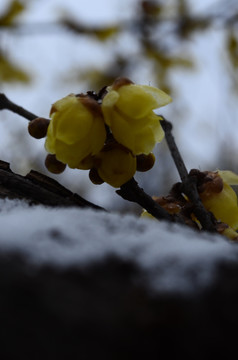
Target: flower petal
[
  {"x": 107, "y": 105},
  {"x": 155, "y": 125},
  {"x": 144, "y": 141},
  {"x": 50, "y": 139},
  {"x": 229, "y": 177},
  {"x": 72, "y": 124},
  {"x": 123, "y": 132},
  {"x": 223, "y": 205},
  {"x": 137, "y": 101},
  {"x": 159, "y": 96}
]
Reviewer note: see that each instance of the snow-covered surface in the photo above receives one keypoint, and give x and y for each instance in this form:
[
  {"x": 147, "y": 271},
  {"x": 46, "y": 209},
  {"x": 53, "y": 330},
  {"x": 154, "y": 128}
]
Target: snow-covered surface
[{"x": 172, "y": 258}]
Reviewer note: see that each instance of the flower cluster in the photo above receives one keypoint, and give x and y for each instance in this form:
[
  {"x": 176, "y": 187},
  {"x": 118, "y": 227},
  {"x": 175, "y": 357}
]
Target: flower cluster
[{"x": 112, "y": 136}]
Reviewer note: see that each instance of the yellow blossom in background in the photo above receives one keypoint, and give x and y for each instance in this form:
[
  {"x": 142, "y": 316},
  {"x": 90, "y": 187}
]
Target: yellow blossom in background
[
  {"x": 76, "y": 131},
  {"x": 128, "y": 111},
  {"x": 115, "y": 165},
  {"x": 219, "y": 197}
]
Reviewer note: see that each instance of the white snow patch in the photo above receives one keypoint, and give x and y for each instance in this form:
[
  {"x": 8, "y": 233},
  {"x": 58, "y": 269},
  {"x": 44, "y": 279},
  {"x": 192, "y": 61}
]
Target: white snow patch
[{"x": 173, "y": 258}]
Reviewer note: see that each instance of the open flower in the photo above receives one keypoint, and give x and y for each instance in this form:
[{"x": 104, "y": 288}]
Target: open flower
[
  {"x": 76, "y": 130},
  {"x": 115, "y": 164},
  {"x": 218, "y": 197},
  {"x": 128, "y": 111}
]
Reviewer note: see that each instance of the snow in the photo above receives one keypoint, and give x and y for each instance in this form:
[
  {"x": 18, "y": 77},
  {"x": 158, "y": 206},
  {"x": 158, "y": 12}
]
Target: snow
[{"x": 171, "y": 257}]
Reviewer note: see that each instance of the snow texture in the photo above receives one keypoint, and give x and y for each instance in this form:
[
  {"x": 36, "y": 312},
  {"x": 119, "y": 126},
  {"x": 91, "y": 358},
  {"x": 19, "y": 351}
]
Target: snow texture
[{"x": 171, "y": 257}]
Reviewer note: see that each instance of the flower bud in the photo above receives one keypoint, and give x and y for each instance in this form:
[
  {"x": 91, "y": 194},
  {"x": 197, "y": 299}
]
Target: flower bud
[
  {"x": 115, "y": 164},
  {"x": 145, "y": 162},
  {"x": 94, "y": 177},
  {"x": 53, "y": 165},
  {"x": 37, "y": 128}
]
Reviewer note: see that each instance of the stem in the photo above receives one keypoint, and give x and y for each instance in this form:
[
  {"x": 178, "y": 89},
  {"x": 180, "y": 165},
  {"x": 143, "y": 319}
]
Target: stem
[
  {"x": 167, "y": 127},
  {"x": 5, "y": 103},
  {"x": 189, "y": 183},
  {"x": 132, "y": 192}
]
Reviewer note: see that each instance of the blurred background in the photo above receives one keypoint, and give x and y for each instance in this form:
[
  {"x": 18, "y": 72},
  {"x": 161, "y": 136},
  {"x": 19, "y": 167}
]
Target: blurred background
[{"x": 188, "y": 48}]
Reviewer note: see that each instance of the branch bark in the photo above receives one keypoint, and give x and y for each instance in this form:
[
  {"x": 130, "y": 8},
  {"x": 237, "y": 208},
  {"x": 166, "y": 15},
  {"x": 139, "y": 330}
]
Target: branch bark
[{"x": 38, "y": 189}]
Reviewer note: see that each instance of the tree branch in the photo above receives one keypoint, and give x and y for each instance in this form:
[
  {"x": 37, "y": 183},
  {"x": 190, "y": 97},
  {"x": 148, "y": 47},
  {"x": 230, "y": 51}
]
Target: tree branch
[
  {"x": 178, "y": 160},
  {"x": 38, "y": 189},
  {"x": 7, "y": 104},
  {"x": 189, "y": 183},
  {"x": 132, "y": 192}
]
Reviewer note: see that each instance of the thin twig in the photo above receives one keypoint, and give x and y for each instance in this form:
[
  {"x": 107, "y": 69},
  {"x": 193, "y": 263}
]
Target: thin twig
[
  {"x": 189, "y": 183},
  {"x": 7, "y": 104},
  {"x": 178, "y": 160}
]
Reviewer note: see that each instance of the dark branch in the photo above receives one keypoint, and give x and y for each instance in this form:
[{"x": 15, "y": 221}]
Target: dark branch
[
  {"x": 206, "y": 218},
  {"x": 5, "y": 103},
  {"x": 167, "y": 127},
  {"x": 189, "y": 183},
  {"x": 132, "y": 192},
  {"x": 38, "y": 189}
]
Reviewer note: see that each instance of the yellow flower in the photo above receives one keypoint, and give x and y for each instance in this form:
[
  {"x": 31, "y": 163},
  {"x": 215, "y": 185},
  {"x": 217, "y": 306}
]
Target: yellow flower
[
  {"x": 128, "y": 111},
  {"x": 115, "y": 165},
  {"x": 76, "y": 130},
  {"x": 219, "y": 197}
]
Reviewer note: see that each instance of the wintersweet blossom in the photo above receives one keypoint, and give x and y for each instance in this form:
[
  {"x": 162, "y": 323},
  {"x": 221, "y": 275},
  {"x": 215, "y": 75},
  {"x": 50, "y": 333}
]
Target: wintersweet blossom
[
  {"x": 115, "y": 164},
  {"x": 219, "y": 197},
  {"x": 76, "y": 131},
  {"x": 128, "y": 111}
]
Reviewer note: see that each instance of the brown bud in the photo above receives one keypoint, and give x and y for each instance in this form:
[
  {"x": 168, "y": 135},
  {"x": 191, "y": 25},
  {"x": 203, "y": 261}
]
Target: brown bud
[
  {"x": 38, "y": 127},
  {"x": 145, "y": 162},
  {"x": 53, "y": 165},
  {"x": 94, "y": 177}
]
